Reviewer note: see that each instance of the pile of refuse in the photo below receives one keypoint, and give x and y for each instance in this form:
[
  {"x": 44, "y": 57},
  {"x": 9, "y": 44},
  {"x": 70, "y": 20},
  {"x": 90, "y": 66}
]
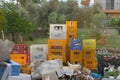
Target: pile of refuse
[
  {"x": 108, "y": 65},
  {"x": 55, "y": 70}
]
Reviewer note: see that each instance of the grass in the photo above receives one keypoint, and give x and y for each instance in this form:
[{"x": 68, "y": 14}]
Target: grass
[
  {"x": 42, "y": 40},
  {"x": 113, "y": 42}
]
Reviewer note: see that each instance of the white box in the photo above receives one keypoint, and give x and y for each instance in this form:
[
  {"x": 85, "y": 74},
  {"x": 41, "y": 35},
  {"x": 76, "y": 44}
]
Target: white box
[
  {"x": 58, "y": 27},
  {"x": 20, "y": 77},
  {"x": 38, "y": 52}
]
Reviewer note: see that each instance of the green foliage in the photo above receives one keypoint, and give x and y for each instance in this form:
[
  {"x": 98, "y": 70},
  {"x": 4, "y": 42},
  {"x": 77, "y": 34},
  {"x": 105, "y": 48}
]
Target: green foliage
[
  {"x": 24, "y": 18},
  {"x": 23, "y": 12},
  {"x": 56, "y": 11},
  {"x": 32, "y": 10},
  {"x": 116, "y": 23},
  {"x": 9, "y": 6},
  {"x": 22, "y": 2},
  {"x": 30, "y": 38},
  {"x": 17, "y": 24},
  {"x": 53, "y": 18},
  {"x": 85, "y": 17},
  {"x": 38, "y": 41},
  {"x": 97, "y": 8},
  {"x": 71, "y": 10},
  {"x": 100, "y": 20},
  {"x": 14, "y": 20},
  {"x": 36, "y": 1},
  {"x": 95, "y": 34},
  {"x": 113, "y": 42},
  {"x": 3, "y": 21},
  {"x": 62, "y": 19}
]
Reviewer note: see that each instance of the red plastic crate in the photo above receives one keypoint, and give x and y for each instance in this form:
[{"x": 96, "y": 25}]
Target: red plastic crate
[{"x": 20, "y": 49}]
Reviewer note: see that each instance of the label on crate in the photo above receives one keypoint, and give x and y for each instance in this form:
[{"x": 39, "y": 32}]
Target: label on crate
[
  {"x": 56, "y": 47},
  {"x": 88, "y": 43},
  {"x": 39, "y": 57},
  {"x": 89, "y": 66},
  {"x": 58, "y": 27},
  {"x": 60, "y": 43},
  {"x": 57, "y": 53},
  {"x": 88, "y": 53},
  {"x": 89, "y": 62},
  {"x": 76, "y": 53}
]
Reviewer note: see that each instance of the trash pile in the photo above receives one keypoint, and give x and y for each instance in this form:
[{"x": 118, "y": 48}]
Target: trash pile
[
  {"x": 108, "y": 69},
  {"x": 108, "y": 65},
  {"x": 55, "y": 70}
]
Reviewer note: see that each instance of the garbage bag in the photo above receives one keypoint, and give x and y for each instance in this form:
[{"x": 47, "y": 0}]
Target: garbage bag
[{"x": 5, "y": 48}]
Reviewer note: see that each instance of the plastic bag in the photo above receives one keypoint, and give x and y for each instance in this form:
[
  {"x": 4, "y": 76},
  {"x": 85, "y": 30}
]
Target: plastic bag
[{"x": 49, "y": 66}]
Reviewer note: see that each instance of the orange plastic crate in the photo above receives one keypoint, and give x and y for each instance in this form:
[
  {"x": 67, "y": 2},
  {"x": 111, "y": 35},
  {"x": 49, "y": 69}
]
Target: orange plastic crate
[
  {"x": 68, "y": 54},
  {"x": 71, "y": 30},
  {"x": 52, "y": 56},
  {"x": 53, "y": 50},
  {"x": 19, "y": 58},
  {"x": 71, "y": 35},
  {"x": 91, "y": 64},
  {"x": 89, "y": 54},
  {"x": 76, "y": 56},
  {"x": 71, "y": 25},
  {"x": 56, "y": 46}
]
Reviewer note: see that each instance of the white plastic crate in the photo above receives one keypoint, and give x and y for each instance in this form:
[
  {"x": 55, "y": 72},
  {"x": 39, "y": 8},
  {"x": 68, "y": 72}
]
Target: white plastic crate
[
  {"x": 38, "y": 52},
  {"x": 58, "y": 27},
  {"x": 58, "y": 35}
]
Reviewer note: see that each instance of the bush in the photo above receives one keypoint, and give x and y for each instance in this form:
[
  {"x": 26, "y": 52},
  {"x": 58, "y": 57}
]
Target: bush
[
  {"x": 116, "y": 24},
  {"x": 95, "y": 33},
  {"x": 30, "y": 38}
]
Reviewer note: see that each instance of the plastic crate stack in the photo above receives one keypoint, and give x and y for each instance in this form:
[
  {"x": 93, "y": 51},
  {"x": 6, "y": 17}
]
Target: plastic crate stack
[
  {"x": 89, "y": 54},
  {"x": 20, "y": 54},
  {"x": 57, "y": 42},
  {"x": 71, "y": 31},
  {"x": 71, "y": 34},
  {"x": 76, "y": 54}
]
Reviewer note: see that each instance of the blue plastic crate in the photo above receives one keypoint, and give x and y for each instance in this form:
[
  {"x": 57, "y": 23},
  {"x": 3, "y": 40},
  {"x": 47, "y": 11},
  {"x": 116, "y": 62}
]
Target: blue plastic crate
[
  {"x": 76, "y": 44},
  {"x": 15, "y": 68},
  {"x": 2, "y": 69}
]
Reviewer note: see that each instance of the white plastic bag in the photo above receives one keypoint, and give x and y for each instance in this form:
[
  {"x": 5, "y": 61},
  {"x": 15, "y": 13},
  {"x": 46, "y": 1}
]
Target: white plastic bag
[
  {"x": 50, "y": 66},
  {"x": 5, "y": 48}
]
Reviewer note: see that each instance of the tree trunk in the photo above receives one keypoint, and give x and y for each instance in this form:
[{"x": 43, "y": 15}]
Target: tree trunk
[
  {"x": 21, "y": 38},
  {"x": 3, "y": 36}
]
